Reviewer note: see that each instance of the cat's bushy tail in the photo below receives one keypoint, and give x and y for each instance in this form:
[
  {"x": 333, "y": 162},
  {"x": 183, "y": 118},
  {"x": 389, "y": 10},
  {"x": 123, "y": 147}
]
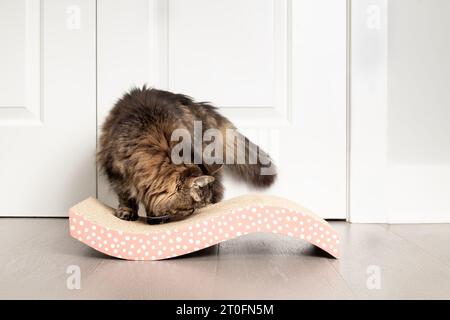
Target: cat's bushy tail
[
  {"x": 247, "y": 162},
  {"x": 243, "y": 159}
]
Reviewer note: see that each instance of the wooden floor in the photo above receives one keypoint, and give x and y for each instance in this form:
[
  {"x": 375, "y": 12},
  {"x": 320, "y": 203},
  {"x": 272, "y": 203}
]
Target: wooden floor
[{"x": 413, "y": 260}]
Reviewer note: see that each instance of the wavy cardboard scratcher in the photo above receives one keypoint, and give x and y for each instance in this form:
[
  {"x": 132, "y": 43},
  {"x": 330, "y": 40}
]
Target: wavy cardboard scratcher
[{"x": 94, "y": 224}]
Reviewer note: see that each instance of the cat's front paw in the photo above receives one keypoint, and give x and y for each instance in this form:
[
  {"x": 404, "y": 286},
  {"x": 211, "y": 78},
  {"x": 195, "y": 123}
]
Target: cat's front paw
[{"x": 127, "y": 214}]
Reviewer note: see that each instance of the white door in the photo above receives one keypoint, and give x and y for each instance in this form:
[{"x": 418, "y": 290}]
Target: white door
[
  {"x": 276, "y": 68},
  {"x": 400, "y": 103},
  {"x": 47, "y": 105}
]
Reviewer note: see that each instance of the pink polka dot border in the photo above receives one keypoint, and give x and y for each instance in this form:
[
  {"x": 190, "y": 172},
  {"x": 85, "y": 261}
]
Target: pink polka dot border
[{"x": 204, "y": 233}]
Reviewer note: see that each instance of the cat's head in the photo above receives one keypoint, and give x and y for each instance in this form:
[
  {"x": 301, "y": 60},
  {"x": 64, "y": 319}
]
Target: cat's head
[{"x": 191, "y": 189}]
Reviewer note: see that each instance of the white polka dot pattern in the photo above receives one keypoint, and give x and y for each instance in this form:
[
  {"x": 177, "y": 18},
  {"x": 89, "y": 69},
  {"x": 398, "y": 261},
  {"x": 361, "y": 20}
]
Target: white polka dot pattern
[{"x": 203, "y": 234}]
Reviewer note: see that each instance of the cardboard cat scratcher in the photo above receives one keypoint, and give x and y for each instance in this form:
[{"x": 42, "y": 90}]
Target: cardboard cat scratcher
[{"x": 94, "y": 224}]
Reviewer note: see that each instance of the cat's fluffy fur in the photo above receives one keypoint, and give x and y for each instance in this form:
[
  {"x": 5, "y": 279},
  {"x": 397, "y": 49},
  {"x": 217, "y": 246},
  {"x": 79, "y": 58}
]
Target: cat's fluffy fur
[{"x": 135, "y": 154}]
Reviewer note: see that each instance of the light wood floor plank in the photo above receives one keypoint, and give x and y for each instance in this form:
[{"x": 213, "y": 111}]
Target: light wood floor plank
[
  {"x": 406, "y": 271},
  {"x": 413, "y": 259},
  {"x": 268, "y": 266},
  {"x": 433, "y": 238}
]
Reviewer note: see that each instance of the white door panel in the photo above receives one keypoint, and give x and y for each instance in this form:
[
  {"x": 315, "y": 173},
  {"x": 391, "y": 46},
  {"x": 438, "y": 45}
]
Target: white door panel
[
  {"x": 229, "y": 46},
  {"x": 277, "y": 69},
  {"x": 13, "y": 18},
  {"x": 47, "y": 105}
]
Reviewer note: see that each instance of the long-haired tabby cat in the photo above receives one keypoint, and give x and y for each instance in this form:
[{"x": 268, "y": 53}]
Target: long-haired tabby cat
[{"x": 135, "y": 150}]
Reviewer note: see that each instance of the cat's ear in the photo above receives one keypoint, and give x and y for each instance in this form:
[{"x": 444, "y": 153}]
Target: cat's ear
[
  {"x": 201, "y": 181},
  {"x": 213, "y": 168}
]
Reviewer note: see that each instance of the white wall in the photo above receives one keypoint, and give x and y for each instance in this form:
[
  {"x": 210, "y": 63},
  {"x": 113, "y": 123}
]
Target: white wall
[{"x": 400, "y": 110}]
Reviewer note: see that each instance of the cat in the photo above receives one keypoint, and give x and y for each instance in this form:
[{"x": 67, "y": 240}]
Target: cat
[{"x": 135, "y": 153}]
